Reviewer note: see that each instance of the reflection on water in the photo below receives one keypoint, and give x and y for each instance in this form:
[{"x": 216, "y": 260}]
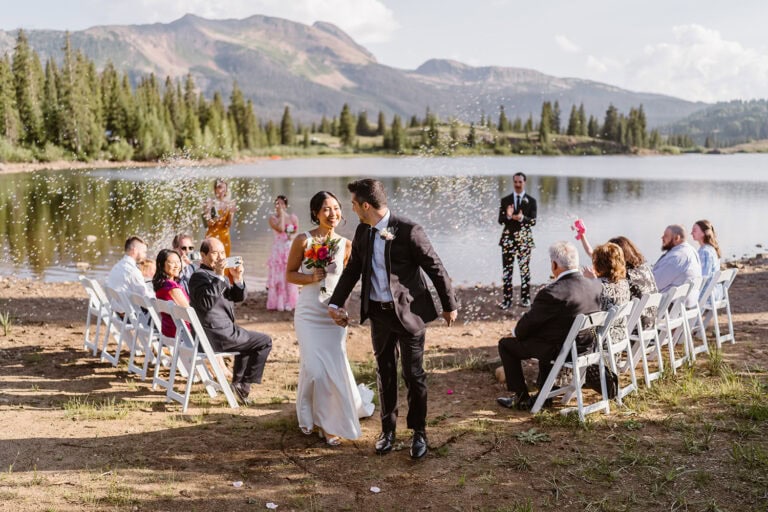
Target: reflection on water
[{"x": 53, "y": 224}]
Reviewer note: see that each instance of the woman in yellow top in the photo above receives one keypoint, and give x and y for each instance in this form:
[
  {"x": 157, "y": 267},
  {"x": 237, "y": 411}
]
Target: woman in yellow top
[{"x": 219, "y": 213}]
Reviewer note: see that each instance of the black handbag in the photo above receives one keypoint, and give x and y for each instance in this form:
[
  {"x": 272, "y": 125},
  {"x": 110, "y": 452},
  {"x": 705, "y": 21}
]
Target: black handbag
[{"x": 592, "y": 380}]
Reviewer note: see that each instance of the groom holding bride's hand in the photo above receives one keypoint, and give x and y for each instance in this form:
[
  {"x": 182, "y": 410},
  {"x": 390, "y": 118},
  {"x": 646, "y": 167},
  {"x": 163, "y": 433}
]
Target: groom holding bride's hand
[{"x": 389, "y": 253}]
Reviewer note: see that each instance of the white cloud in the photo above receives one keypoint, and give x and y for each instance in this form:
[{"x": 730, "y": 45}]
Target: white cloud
[
  {"x": 700, "y": 65},
  {"x": 566, "y": 44},
  {"x": 602, "y": 66},
  {"x": 366, "y": 21}
]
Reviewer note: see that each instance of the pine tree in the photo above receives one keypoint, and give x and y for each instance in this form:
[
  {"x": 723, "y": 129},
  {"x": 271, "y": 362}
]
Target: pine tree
[
  {"x": 556, "y": 123},
  {"x": 381, "y": 126},
  {"x": 517, "y": 125},
  {"x": 472, "y": 136},
  {"x": 593, "y": 128},
  {"x": 28, "y": 85},
  {"x": 573, "y": 122},
  {"x": 346, "y": 127},
  {"x": 325, "y": 125},
  {"x": 287, "y": 134},
  {"x": 610, "y": 130},
  {"x": 51, "y": 112},
  {"x": 10, "y": 124},
  {"x": 362, "y": 128},
  {"x": 544, "y": 125},
  {"x": 528, "y": 124},
  {"x": 582, "y": 121},
  {"x": 191, "y": 133},
  {"x": 503, "y": 125}
]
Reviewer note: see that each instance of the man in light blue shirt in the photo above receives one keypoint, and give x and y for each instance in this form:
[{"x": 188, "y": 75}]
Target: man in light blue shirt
[{"x": 679, "y": 264}]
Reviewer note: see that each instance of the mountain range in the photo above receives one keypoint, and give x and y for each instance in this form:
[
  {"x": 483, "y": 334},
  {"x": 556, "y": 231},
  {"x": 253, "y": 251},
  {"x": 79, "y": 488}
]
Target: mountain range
[{"x": 316, "y": 69}]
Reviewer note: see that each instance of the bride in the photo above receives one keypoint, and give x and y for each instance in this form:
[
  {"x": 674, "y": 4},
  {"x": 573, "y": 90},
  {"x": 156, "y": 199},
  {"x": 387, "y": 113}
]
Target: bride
[{"x": 327, "y": 397}]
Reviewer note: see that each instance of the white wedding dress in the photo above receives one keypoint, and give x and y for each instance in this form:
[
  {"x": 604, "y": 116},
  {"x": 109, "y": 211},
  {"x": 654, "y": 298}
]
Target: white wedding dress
[{"x": 327, "y": 396}]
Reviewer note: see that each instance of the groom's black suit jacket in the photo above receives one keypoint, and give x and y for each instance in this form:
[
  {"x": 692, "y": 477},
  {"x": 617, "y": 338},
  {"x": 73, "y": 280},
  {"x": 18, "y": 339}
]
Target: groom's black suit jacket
[{"x": 406, "y": 256}]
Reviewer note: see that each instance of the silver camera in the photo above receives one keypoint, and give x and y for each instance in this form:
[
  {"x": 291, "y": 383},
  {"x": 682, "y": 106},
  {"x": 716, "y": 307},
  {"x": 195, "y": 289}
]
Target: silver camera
[
  {"x": 233, "y": 261},
  {"x": 194, "y": 256}
]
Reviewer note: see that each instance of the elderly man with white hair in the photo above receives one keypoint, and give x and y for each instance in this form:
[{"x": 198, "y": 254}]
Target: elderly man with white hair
[{"x": 540, "y": 333}]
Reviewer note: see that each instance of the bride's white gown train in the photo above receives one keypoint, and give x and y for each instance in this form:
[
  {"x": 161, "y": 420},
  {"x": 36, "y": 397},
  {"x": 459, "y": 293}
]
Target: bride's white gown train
[{"x": 327, "y": 396}]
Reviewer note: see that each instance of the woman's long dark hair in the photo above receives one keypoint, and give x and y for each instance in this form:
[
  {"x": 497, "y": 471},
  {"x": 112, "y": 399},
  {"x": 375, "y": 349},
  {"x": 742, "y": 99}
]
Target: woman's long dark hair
[
  {"x": 160, "y": 277},
  {"x": 317, "y": 202}
]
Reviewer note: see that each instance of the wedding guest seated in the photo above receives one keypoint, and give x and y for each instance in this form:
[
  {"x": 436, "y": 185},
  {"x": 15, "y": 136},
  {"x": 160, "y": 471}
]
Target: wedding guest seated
[
  {"x": 125, "y": 276},
  {"x": 148, "y": 267},
  {"x": 213, "y": 298},
  {"x": 678, "y": 264},
  {"x": 185, "y": 246},
  {"x": 541, "y": 331},
  {"x": 639, "y": 272},
  {"x": 709, "y": 253},
  {"x": 610, "y": 270},
  {"x": 166, "y": 285}
]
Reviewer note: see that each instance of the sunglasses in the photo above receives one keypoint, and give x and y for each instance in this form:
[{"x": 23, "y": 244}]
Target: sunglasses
[{"x": 187, "y": 248}]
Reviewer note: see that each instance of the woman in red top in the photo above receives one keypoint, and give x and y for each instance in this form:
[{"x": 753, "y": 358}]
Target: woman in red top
[{"x": 167, "y": 286}]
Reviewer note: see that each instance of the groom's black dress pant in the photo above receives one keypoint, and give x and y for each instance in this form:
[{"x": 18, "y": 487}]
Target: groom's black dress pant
[{"x": 390, "y": 339}]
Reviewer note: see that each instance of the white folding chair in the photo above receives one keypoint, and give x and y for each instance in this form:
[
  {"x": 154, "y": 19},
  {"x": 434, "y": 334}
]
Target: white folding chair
[
  {"x": 145, "y": 336},
  {"x": 97, "y": 315},
  {"x": 672, "y": 325},
  {"x": 193, "y": 351},
  {"x": 578, "y": 364},
  {"x": 121, "y": 326},
  {"x": 694, "y": 322},
  {"x": 166, "y": 348},
  {"x": 710, "y": 305},
  {"x": 619, "y": 351},
  {"x": 646, "y": 340}
]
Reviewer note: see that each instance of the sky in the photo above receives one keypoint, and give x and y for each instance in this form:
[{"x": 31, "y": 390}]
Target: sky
[{"x": 701, "y": 50}]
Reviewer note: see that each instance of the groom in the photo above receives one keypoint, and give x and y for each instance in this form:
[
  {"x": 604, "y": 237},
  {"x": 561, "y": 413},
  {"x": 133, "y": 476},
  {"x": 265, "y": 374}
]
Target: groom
[{"x": 389, "y": 252}]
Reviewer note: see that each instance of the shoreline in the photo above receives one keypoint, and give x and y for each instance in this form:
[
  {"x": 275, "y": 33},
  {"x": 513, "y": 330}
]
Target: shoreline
[{"x": 756, "y": 147}]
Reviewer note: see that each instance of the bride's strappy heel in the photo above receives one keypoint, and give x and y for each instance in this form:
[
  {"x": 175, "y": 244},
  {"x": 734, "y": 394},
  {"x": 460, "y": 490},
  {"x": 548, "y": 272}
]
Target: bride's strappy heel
[{"x": 329, "y": 439}]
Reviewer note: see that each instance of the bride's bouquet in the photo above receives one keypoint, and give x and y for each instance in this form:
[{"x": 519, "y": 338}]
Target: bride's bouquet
[{"x": 320, "y": 254}]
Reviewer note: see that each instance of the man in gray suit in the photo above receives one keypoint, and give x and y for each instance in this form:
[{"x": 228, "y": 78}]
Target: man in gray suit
[{"x": 213, "y": 298}]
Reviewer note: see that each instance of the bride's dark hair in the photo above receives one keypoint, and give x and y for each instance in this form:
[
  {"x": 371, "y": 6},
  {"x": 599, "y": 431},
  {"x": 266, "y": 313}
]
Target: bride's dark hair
[{"x": 317, "y": 202}]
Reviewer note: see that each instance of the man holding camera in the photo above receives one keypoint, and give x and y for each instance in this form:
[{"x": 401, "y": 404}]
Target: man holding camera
[{"x": 213, "y": 298}]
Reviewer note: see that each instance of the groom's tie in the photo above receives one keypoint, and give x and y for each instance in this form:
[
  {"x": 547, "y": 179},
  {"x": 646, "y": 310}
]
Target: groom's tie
[
  {"x": 368, "y": 269},
  {"x": 517, "y": 202}
]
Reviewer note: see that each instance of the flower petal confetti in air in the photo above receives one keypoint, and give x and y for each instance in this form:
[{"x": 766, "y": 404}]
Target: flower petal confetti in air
[
  {"x": 449, "y": 392},
  {"x": 237, "y": 484},
  {"x": 272, "y": 506},
  {"x": 375, "y": 490}
]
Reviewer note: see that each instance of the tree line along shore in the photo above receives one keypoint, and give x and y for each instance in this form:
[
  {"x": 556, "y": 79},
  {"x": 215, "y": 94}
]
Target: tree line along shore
[{"x": 71, "y": 112}]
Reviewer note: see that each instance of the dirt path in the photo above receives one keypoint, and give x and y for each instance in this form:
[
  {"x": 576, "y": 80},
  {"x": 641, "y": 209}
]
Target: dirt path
[{"x": 78, "y": 434}]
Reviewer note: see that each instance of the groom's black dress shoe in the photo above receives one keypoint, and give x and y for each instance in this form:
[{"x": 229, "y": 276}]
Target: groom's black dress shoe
[
  {"x": 384, "y": 442},
  {"x": 419, "y": 444}
]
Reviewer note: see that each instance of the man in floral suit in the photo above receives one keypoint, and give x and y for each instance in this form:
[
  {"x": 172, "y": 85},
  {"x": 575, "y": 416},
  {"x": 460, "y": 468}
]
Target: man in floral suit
[{"x": 517, "y": 214}]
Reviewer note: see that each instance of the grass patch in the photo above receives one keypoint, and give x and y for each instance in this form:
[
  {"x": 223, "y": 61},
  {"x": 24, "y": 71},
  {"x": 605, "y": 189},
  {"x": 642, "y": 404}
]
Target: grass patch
[
  {"x": 6, "y": 321},
  {"x": 81, "y": 408},
  {"x": 364, "y": 372}
]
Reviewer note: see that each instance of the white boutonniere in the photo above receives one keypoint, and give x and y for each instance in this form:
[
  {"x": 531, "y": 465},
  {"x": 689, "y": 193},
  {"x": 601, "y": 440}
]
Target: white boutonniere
[
  {"x": 387, "y": 234},
  {"x": 525, "y": 199}
]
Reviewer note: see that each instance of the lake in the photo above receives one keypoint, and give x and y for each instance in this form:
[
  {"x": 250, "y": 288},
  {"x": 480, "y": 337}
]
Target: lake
[{"x": 54, "y": 224}]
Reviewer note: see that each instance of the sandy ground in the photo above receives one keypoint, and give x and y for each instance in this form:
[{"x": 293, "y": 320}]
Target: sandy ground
[{"x": 135, "y": 452}]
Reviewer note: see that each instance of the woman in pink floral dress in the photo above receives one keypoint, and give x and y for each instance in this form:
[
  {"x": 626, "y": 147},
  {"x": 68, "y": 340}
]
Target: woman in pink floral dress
[{"x": 281, "y": 295}]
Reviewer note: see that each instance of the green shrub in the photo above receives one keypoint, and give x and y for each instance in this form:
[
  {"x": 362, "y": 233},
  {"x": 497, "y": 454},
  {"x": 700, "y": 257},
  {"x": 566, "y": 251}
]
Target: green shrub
[
  {"x": 12, "y": 153},
  {"x": 120, "y": 151},
  {"x": 51, "y": 153}
]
